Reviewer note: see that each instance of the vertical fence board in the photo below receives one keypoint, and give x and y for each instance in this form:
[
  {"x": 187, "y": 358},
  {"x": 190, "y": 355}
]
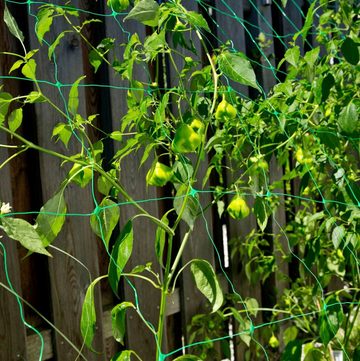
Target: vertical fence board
[
  {"x": 69, "y": 281},
  {"x": 12, "y": 330},
  {"x": 139, "y": 337}
]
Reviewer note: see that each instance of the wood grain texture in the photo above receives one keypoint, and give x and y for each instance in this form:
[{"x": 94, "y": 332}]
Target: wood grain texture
[
  {"x": 132, "y": 178},
  {"x": 12, "y": 329},
  {"x": 69, "y": 281}
]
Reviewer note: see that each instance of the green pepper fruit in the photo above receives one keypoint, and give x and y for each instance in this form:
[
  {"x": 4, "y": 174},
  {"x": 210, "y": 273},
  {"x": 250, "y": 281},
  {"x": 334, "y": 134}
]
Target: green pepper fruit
[
  {"x": 225, "y": 111},
  {"x": 159, "y": 175},
  {"x": 188, "y": 137},
  {"x": 238, "y": 208},
  {"x": 118, "y": 5}
]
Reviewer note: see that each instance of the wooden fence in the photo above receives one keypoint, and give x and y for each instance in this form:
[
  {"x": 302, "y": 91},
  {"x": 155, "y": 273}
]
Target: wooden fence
[{"x": 56, "y": 286}]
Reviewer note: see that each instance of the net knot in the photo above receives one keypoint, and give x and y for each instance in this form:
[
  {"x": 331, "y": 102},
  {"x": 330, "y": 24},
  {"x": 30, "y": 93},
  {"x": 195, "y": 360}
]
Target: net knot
[
  {"x": 97, "y": 210},
  {"x": 193, "y": 192}
]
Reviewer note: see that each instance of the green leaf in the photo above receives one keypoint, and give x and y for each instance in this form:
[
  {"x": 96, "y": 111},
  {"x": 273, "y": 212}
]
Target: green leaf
[
  {"x": 238, "y": 68},
  {"x": 337, "y": 236},
  {"x": 350, "y": 51},
  {"x": 118, "y": 317},
  {"x": 188, "y": 358},
  {"x": 122, "y": 356},
  {"x": 22, "y": 231},
  {"x": 207, "y": 283},
  {"x": 120, "y": 255},
  {"x": 314, "y": 354},
  {"x": 56, "y": 43},
  {"x": 307, "y": 24},
  {"x": 284, "y": 2},
  {"x": 12, "y": 25},
  {"x": 326, "y": 85},
  {"x": 312, "y": 56},
  {"x": 16, "y": 65},
  {"x": 155, "y": 43},
  {"x": 104, "y": 185},
  {"x": 73, "y": 103},
  {"x": 44, "y": 21},
  {"x": 330, "y": 319},
  {"x": 292, "y": 56},
  {"x": 197, "y": 20},
  {"x": 63, "y": 132},
  {"x": 191, "y": 208},
  {"x": 51, "y": 218},
  {"x": 260, "y": 212},
  {"x": 160, "y": 238},
  {"x": 5, "y": 100},
  {"x": 348, "y": 119},
  {"x": 15, "y": 119},
  {"x": 29, "y": 69},
  {"x": 292, "y": 351},
  {"x": 88, "y": 315},
  {"x": 105, "y": 220},
  {"x": 146, "y": 12}
]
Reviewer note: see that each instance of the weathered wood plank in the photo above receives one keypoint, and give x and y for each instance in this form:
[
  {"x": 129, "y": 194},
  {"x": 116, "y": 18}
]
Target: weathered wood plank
[
  {"x": 12, "y": 329},
  {"x": 139, "y": 337},
  {"x": 69, "y": 281}
]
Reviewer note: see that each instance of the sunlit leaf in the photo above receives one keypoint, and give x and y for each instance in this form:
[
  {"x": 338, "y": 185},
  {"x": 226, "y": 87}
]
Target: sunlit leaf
[
  {"x": 88, "y": 315},
  {"x": 146, "y": 12},
  {"x": 207, "y": 283},
  {"x": 51, "y": 218},
  {"x": 22, "y": 231},
  {"x": 15, "y": 119},
  {"x": 238, "y": 68}
]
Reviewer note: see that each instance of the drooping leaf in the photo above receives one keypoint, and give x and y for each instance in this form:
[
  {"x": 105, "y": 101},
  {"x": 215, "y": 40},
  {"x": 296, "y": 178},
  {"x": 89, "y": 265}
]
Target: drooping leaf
[
  {"x": 29, "y": 69},
  {"x": 260, "y": 212},
  {"x": 44, "y": 21},
  {"x": 350, "y": 51},
  {"x": 22, "y": 231},
  {"x": 5, "y": 100},
  {"x": 337, "y": 236},
  {"x": 146, "y": 12},
  {"x": 330, "y": 319},
  {"x": 191, "y": 209},
  {"x": 51, "y": 218},
  {"x": 118, "y": 317},
  {"x": 348, "y": 119},
  {"x": 12, "y": 25},
  {"x": 120, "y": 255},
  {"x": 88, "y": 315},
  {"x": 105, "y": 220},
  {"x": 160, "y": 238},
  {"x": 207, "y": 283},
  {"x": 73, "y": 103},
  {"x": 238, "y": 68},
  {"x": 15, "y": 119}
]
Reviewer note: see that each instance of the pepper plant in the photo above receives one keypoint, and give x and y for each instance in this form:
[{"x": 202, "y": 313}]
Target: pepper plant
[{"x": 308, "y": 123}]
